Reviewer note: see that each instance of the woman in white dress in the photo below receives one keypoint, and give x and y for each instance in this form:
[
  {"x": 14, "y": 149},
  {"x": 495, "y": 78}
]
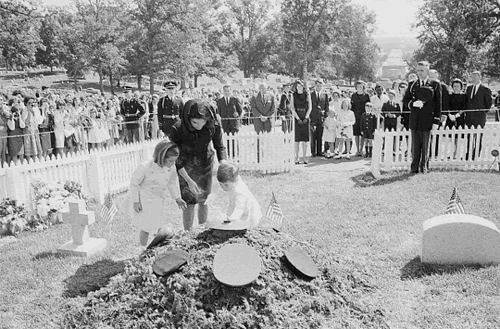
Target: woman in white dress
[
  {"x": 148, "y": 190},
  {"x": 59, "y": 115}
]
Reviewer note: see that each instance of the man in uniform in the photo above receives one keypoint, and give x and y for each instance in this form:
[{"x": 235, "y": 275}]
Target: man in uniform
[
  {"x": 425, "y": 115},
  {"x": 169, "y": 107},
  {"x": 132, "y": 111}
]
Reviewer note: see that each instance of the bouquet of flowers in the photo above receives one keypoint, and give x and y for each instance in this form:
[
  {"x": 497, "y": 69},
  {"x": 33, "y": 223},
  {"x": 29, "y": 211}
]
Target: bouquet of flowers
[
  {"x": 12, "y": 217},
  {"x": 49, "y": 199}
]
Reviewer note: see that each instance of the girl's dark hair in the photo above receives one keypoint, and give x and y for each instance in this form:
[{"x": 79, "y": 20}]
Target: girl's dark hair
[
  {"x": 227, "y": 172},
  {"x": 165, "y": 149}
]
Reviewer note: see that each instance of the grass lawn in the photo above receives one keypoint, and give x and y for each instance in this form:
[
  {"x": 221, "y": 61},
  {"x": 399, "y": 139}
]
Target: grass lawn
[{"x": 372, "y": 226}]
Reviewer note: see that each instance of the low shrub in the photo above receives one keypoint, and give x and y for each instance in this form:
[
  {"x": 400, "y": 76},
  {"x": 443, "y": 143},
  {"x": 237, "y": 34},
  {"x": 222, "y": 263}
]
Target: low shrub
[{"x": 193, "y": 298}]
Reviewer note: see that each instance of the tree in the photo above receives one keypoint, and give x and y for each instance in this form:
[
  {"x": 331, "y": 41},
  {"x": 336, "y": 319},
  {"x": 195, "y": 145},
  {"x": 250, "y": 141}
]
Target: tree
[
  {"x": 51, "y": 52},
  {"x": 308, "y": 26},
  {"x": 101, "y": 30},
  {"x": 248, "y": 20},
  {"x": 19, "y": 38},
  {"x": 456, "y": 35},
  {"x": 360, "y": 50},
  {"x": 160, "y": 25}
]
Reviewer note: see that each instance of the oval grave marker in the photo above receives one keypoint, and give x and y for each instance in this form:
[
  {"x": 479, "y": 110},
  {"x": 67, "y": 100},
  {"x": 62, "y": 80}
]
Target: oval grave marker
[
  {"x": 235, "y": 225},
  {"x": 169, "y": 262},
  {"x": 301, "y": 262},
  {"x": 236, "y": 265}
]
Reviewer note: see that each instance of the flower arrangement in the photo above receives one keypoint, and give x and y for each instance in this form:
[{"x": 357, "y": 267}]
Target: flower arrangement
[
  {"x": 13, "y": 217},
  {"x": 49, "y": 199}
]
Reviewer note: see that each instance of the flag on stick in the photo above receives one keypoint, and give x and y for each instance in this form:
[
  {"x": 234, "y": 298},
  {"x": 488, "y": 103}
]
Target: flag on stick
[
  {"x": 274, "y": 212},
  {"x": 109, "y": 209},
  {"x": 455, "y": 205}
]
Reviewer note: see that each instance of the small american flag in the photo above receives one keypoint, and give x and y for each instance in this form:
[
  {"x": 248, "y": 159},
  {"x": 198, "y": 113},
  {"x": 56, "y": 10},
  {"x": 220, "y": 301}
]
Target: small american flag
[
  {"x": 455, "y": 205},
  {"x": 109, "y": 209},
  {"x": 274, "y": 212}
]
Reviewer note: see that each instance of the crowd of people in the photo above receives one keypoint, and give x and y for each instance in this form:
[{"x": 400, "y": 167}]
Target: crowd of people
[{"x": 327, "y": 120}]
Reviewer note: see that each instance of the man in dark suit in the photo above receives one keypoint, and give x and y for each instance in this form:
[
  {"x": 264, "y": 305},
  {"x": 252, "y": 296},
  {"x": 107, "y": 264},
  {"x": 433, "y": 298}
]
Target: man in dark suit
[
  {"x": 425, "y": 115},
  {"x": 319, "y": 109},
  {"x": 230, "y": 111},
  {"x": 445, "y": 103},
  {"x": 263, "y": 108},
  {"x": 132, "y": 111},
  {"x": 169, "y": 108},
  {"x": 478, "y": 98}
]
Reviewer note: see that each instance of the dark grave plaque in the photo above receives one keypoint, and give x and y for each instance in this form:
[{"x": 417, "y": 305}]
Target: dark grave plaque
[
  {"x": 169, "y": 262},
  {"x": 301, "y": 262},
  {"x": 236, "y": 265}
]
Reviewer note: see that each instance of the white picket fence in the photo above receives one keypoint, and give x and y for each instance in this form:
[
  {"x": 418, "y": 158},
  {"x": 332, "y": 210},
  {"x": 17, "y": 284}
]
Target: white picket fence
[
  {"x": 271, "y": 152},
  {"x": 109, "y": 170},
  {"x": 392, "y": 149}
]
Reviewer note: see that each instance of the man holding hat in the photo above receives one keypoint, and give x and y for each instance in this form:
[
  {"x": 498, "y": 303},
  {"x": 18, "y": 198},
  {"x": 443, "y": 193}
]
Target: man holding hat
[
  {"x": 132, "y": 111},
  {"x": 423, "y": 98},
  {"x": 169, "y": 108}
]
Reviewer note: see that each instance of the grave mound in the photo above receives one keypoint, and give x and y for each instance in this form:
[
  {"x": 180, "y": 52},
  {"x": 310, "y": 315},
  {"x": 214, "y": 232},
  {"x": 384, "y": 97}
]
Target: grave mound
[{"x": 193, "y": 298}]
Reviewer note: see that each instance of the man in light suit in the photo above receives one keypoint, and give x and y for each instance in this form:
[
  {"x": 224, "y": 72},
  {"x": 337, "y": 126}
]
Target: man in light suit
[
  {"x": 263, "y": 108},
  {"x": 318, "y": 112},
  {"x": 230, "y": 111},
  {"x": 478, "y": 98}
]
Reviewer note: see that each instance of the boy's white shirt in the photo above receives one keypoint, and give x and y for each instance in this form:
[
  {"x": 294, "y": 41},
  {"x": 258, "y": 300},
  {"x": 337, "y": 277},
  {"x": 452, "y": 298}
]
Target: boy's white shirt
[{"x": 242, "y": 204}]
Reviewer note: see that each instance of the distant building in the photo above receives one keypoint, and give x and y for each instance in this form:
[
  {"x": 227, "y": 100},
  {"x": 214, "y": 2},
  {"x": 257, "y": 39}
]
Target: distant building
[{"x": 394, "y": 67}]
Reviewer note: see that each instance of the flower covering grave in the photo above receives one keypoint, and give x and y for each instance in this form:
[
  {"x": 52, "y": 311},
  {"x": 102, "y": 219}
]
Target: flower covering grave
[{"x": 193, "y": 298}]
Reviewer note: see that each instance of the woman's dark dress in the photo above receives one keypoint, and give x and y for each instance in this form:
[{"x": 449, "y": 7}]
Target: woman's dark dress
[
  {"x": 15, "y": 142},
  {"x": 301, "y": 105},
  {"x": 358, "y": 103},
  {"x": 196, "y": 155},
  {"x": 457, "y": 102}
]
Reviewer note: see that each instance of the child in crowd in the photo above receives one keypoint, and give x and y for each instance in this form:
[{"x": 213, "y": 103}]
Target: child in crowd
[
  {"x": 368, "y": 126},
  {"x": 242, "y": 203},
  {"x": 391, "y": 111},
  {"x": 345, "y": 132},
  {"x": 148, "y": 186},
  {"x": 329, "y": 132}
]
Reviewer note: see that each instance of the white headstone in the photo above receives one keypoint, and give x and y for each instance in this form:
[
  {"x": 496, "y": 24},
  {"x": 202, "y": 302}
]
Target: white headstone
[
  {"x": 80, "y": 219},
  {"x": 460, "y": 239}
]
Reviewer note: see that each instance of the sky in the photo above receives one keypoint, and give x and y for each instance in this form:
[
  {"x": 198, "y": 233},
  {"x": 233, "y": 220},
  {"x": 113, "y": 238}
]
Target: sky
[{"x": 394, "y": 17}]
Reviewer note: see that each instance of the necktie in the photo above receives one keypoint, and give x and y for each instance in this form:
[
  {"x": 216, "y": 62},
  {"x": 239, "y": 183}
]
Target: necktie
[
  {"x": 263, "y": 102},
  {"x": 473, "y": 92},
  {"x": 227, "y": 101}
]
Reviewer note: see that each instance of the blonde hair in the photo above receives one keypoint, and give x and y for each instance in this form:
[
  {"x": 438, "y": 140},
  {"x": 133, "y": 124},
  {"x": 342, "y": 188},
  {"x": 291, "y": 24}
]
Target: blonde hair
[
  {"x": 348, "y": 104},
  {"x": 163, "y": 150}
]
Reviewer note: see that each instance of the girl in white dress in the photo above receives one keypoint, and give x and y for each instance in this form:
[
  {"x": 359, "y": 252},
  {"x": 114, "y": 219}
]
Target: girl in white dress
[
  {"x": 148, "y": 190},
  {"x": 345, "y": 132},
  {"x": 330, "y": 132}
]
